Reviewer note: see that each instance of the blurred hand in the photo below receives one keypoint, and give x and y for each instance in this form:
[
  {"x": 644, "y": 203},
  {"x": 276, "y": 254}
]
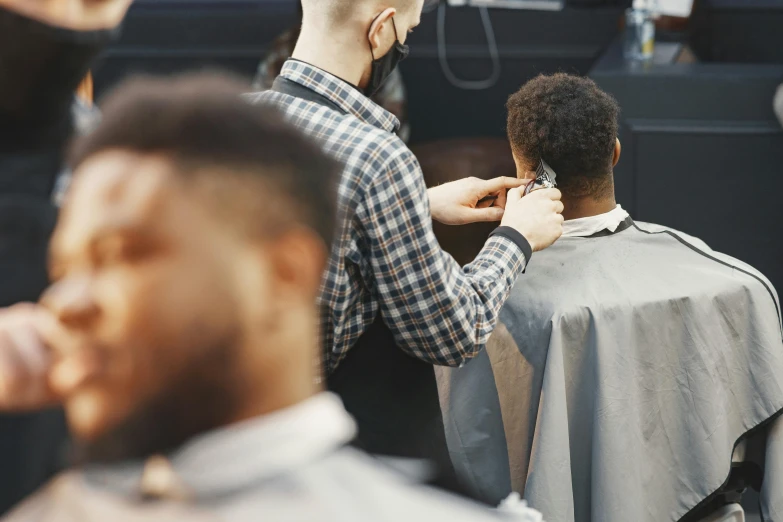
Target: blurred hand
[
  {"x": 536, "y": 216},
  {"x": 24, "y": 360},
  {"x": 79, "y": 15},
  {"x": 457, "y": 203}
]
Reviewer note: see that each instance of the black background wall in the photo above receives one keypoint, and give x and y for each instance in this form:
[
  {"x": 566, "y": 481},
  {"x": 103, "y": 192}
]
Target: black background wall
[
  {"x": 167, "y": 36},
  {"x": 738, "y": 31},
  {"x": 530, "y": 42}
]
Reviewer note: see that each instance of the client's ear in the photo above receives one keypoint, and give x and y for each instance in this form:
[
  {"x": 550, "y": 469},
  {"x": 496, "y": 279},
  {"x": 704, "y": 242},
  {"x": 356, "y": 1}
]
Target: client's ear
[
  {"x": 617, "y": 150},
  {"x": 524, "y": 168},
  {"x": 298, "y": 262}
]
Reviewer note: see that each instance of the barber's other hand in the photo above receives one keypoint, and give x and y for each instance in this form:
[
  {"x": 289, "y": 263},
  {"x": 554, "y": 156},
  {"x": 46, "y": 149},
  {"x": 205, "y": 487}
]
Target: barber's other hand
[
  {"x": 537, "y": 216},
  {"x": 457, "y": 203},
  {"x": 78, "y": 15},
  {"x": 24, "y": 360}
]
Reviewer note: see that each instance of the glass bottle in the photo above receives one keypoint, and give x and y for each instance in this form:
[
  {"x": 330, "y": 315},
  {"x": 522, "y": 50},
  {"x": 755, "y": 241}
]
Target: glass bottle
[{"x": 639, "y": 42}]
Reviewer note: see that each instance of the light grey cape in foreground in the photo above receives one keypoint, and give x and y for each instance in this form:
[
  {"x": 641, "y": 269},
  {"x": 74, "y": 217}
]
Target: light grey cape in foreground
[
  {"x": 291, "y": 465},
  {"x": 627, "y": 368}
]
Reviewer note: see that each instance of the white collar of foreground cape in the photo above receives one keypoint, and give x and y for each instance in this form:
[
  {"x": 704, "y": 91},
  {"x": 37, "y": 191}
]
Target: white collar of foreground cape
[
  {"x": 585, "y": 227},
  {"x": 228, "y": 459}
]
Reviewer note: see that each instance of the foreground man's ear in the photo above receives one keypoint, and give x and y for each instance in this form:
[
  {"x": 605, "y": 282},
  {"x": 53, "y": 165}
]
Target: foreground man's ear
[
  {"x": 524, "y": 169},
  {"x": 618, "y": 149},
  {"x": 298, "y": 259}
]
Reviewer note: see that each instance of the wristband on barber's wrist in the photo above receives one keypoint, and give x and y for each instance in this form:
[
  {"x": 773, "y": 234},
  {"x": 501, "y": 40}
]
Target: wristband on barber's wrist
[{"x": 518, "y": 239}]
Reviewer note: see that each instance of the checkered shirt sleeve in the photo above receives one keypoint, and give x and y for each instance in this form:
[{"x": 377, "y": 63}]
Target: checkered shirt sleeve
[
  {"x": 386, "y": 259},
  {"x": 438, "y": 311}
]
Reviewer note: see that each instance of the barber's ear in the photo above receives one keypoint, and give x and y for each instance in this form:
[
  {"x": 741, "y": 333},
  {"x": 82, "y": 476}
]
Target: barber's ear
[
  {"x": 617, "y": 151},
  {"x": 378, "y": 29}
]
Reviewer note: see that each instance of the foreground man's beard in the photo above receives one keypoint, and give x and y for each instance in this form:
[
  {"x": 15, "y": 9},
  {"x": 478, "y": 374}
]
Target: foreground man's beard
[{"x": 202, "y": 396}]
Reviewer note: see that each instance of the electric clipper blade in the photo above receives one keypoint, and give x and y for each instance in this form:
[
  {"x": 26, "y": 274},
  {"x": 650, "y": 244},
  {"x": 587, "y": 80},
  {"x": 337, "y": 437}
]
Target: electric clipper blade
[{"x": 545, "y": 178}]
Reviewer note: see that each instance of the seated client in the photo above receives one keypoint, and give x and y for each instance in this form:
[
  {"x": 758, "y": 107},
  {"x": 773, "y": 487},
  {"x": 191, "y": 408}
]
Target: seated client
[{"x": 630, "y": 359}]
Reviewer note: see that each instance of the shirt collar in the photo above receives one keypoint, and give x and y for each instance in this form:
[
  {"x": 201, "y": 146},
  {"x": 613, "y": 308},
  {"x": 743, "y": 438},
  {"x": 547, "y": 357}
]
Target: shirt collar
[
  {"x": 588, "y": 226},
  {"x": 340, "y": 92},
  {"x": 231, "y": 458}
]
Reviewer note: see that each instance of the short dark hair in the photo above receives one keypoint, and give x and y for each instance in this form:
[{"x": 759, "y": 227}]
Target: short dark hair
[
  {"x": 572, "y": 124},
  {"x": 210, "y": 133}
]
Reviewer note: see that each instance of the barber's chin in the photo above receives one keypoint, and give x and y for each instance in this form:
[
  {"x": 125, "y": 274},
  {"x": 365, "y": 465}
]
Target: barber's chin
[{"x": 89, "y": 415}]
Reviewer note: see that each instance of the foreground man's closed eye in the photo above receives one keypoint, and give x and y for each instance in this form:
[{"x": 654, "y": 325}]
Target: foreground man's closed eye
[{"x": 180, "y": 332}]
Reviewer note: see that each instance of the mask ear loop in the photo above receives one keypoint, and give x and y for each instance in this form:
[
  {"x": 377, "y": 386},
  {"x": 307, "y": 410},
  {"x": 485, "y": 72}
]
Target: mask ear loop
[{"x": 396, "y": 34}]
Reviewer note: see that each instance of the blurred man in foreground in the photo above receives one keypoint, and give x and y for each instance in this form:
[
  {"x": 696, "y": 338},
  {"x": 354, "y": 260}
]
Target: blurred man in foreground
[
  {"x": 631, "y": 358},
  {"x": 181, "y": 323}
]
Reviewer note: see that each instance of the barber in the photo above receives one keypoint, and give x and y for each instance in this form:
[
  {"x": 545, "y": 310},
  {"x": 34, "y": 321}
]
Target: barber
[{"x": 394, "y": 303}]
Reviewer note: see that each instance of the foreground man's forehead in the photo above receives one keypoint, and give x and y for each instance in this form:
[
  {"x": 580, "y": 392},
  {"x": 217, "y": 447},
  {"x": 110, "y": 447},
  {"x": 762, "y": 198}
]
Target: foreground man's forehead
[
  {"x": 116, "y": 190},
  {"x": 123, "y": 178},
  {"x": 121, "y": 184}
]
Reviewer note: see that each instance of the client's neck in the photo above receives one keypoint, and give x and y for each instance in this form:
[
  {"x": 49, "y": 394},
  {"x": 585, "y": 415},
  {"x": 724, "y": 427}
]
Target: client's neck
[{"x": 582, "y": 207}]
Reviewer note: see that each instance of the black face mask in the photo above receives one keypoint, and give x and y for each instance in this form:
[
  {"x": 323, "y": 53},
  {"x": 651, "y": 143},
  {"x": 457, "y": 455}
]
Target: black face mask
[{"x": 384, "y": 66}]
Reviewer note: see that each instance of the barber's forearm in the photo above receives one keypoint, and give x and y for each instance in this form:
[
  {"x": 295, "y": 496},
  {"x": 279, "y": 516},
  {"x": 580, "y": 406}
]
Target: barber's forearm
[
  {"x": 438, "y": 311},
  {"x": 453, "y": 325},
  {"x": 40, "y": 68},
  {"x": 492, "y": 275}
]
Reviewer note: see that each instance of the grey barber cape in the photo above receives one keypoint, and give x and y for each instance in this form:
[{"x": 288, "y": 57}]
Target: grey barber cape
[
  {"x": 625, "y": 368},
  {"x": 288, "y": 466}
]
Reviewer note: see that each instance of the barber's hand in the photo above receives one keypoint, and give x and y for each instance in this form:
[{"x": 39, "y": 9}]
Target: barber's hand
[
  {"x": 24, "y": 360},
  {"x": 78, "y": 15},
  {"x": 536, "y": 216},
  {"x": 457, "y": 203}
]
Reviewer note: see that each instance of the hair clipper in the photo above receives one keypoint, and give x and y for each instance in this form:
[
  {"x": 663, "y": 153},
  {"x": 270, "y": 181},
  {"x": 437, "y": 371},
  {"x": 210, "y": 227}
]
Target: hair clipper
[{"x": 545, "y": 178}]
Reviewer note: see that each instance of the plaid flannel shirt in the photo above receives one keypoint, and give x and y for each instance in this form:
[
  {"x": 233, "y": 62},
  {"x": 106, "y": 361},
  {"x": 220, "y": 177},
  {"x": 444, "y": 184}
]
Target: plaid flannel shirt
[{"x": 385, "y": 257}]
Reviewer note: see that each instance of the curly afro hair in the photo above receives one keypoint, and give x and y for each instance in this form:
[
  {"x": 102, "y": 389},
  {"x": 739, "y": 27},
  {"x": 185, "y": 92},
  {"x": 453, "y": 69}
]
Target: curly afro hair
[{"x": 573, "y": 125}]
